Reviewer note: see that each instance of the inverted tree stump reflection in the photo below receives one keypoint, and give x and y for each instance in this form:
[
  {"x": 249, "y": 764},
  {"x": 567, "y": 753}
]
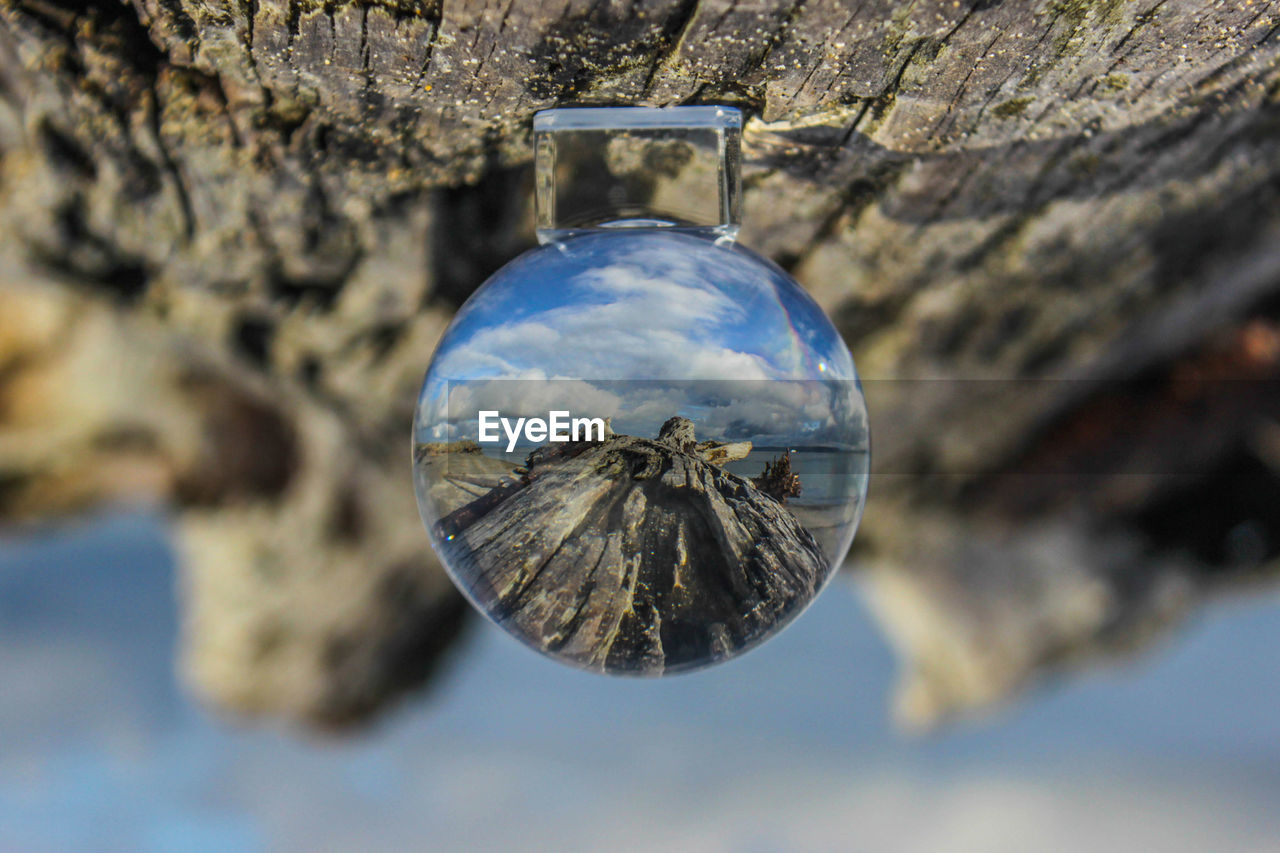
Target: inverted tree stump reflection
[{"x": 634, "y": 555}]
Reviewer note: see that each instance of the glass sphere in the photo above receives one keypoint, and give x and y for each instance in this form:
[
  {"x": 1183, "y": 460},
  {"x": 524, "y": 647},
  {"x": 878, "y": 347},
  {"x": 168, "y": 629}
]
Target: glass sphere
[{"x": 639, "y": 451}]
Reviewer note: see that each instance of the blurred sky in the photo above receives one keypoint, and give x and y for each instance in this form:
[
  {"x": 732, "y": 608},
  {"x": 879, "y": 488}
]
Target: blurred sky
[{"x": 787, "y": 748}]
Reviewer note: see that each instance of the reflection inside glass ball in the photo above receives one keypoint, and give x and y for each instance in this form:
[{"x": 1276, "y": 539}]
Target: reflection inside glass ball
[{"x": 641, "y": 452}]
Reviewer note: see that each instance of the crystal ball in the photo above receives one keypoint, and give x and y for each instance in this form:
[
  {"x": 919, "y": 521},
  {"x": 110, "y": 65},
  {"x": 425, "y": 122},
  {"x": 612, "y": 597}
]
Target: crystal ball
[{"x": 640, "y": 451}]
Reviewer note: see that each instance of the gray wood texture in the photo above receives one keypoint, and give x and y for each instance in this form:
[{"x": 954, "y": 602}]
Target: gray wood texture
[
  {"x": 634, "y": 556},
  {"x": 1050, "y": 230}
]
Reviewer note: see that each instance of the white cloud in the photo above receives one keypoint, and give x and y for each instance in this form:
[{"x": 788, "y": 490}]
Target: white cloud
[{"x": 653, "y": 312}]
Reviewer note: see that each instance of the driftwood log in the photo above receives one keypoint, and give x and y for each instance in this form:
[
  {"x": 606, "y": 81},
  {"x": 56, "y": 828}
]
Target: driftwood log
[
  {"x": 1049, "y": 230},
  {"x": 634, "y": 556}
]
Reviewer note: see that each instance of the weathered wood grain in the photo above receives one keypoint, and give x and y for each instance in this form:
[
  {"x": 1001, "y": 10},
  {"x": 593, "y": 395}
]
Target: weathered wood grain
[
  {"x": 1009, "y": 208},
  {"x": 634, "y": 556}
]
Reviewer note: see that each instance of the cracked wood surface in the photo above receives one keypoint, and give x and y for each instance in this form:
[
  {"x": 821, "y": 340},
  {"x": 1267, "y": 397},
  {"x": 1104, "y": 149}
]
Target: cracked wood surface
[{"x": 1009, "y": 208}]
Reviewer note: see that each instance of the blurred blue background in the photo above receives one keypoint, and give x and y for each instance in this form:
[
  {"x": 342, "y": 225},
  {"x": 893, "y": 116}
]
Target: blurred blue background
[{"x": 789, "y": 748}]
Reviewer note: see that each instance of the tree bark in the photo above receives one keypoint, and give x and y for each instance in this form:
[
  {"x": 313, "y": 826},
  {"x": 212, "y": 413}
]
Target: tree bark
[{"x": 1048, "y": 231}]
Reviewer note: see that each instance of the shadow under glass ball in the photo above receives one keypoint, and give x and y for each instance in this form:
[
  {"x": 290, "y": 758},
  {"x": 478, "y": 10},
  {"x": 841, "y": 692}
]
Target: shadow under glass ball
[{"x": 641, "y": 452}]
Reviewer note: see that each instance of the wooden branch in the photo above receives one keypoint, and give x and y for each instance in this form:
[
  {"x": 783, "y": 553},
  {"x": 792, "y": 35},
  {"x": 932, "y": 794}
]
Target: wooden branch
[{"x": 987, "y": 196}]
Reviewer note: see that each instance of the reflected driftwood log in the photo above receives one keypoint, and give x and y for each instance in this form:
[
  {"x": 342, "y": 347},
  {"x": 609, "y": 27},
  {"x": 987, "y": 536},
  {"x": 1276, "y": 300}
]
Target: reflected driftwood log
[
  {"x": 286, "y": 200},
  {"x": 634, "y": 555}
]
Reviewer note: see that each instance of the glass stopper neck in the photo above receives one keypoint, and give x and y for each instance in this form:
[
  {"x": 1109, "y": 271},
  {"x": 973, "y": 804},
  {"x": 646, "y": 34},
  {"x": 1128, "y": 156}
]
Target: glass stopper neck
[{"x": 612, "y": 168}]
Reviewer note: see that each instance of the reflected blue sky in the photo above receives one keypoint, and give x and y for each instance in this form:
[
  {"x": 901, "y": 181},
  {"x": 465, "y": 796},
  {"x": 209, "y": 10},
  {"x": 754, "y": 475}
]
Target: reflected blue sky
[
  {"x": 637, "y": 305},
  {"x": 784, "y": 749},
  {"x": 642, "y": 304}
]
